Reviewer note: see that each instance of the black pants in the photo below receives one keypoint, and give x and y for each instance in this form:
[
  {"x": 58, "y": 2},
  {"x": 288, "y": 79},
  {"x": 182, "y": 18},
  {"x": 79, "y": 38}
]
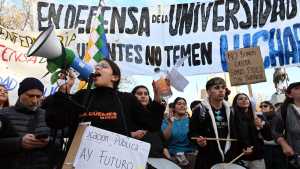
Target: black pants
[{"x": 274, "y": 157}]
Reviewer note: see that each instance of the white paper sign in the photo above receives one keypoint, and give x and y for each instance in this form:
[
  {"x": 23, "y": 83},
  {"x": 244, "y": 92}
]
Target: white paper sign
[
  {"x": 177, "y": 80},
  {"x": 107, "y": 150}
]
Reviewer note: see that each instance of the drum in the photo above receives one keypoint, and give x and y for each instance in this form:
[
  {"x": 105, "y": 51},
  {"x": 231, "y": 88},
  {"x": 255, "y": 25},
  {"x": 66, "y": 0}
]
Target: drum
[
  {"x": 226, "y": 166},
  {"x": 161, "y": 163}
]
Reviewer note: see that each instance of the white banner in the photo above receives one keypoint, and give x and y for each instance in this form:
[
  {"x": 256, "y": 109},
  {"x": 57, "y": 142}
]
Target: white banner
[
  {"x": 143, "y": 35},
  {"x": 141, "y": 38},
  {"x": 107, "y": 150},
  {"x": 15, "y": 65}
]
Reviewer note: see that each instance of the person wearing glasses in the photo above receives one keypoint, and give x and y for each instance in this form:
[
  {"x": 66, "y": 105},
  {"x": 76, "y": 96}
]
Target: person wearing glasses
[
  {"x": 273, "y": 155},
  {"x": 3, "y": 96},
  {"x": 212, "y": 118},
  {"x": 103, "y": 106}
]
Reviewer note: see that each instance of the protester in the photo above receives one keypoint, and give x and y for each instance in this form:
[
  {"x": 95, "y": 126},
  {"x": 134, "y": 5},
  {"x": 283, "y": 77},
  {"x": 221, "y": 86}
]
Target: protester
[
  {"x": 212, "y": 118},
  {"x": 3, "y": 97},
  {"x": 273, "y": 155},
  {"x": 158, "y": 149},
  {"x": 247, "y": 130},
  {"x": 194, "y": 104},
  {"x": 156, "y": 107},
  {"x": 24, "y": 135},
  {"x": 175, "y": 130},
  {"x": 170, "y": 110},
  {"x": 286, "y": 126},
  {"x": 104, "y": 106},
  {"x": 277, "y": 106}
]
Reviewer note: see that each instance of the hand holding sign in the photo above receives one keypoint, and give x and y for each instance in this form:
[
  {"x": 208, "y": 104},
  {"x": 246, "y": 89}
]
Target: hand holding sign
[{"x": 104, "y": 149}]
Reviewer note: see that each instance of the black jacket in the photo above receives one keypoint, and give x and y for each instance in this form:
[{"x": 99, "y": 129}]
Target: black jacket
[
  {"x": 248, "y": 136},
  {"x": 16, "y": 122},
  {"x": 201, "y": 124},
  {"x": 105, "y": 109},
  {"x": 157, "y": 111},
  {"x": 155, "y": 137}
]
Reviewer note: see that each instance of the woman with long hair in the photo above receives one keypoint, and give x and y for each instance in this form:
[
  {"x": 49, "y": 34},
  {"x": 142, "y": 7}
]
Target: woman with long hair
[
  {"x": 175, "y": 129},
  {"x": 103, "y": 106},
  {"x": 155, "y": 106},
  {"x": 247, "y": 131},
  {"x": 158, "y": 150},
  {"x": 4, "y": 101}
]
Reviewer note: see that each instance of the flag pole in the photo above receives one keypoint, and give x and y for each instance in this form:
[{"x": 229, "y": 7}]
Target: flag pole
[{"x": 250, "y": 90}]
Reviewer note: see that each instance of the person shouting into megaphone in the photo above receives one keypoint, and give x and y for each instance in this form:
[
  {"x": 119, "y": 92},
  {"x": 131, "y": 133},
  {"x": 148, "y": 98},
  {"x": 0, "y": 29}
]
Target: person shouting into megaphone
[{"x": 104, "y": 106}]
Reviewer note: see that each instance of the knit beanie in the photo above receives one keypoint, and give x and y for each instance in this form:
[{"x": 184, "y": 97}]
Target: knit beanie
[{"x": 30, "y": 83}]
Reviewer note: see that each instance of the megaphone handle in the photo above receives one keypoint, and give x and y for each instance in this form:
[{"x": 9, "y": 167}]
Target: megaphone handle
[{"x": 65, "y": 66}]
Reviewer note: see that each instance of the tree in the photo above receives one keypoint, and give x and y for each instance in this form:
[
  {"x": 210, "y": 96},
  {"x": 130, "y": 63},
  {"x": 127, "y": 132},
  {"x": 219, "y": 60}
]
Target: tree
[{"x": 12, "y": 17}]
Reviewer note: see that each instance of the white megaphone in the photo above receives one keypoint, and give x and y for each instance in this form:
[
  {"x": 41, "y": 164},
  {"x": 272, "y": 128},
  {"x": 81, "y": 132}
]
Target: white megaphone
[{"x": 47, "y": 45}]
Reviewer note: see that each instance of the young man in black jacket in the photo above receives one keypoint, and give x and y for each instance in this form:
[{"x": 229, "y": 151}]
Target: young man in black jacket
[{"x": 212, "y": 118}]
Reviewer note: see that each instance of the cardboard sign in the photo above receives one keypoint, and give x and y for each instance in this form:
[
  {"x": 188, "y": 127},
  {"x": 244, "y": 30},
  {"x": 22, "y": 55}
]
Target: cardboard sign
[
  {"x": 107, "y": 150},
  {"x": 245, "y": 66}
]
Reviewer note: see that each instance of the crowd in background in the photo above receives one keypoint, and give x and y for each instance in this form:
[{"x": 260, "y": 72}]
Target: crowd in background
[{"x": 33, "y": 132}]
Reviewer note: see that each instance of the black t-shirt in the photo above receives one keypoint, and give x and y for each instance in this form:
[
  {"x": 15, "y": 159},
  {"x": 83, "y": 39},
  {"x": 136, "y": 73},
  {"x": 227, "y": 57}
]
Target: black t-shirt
[{"x": 222, "y": 124}]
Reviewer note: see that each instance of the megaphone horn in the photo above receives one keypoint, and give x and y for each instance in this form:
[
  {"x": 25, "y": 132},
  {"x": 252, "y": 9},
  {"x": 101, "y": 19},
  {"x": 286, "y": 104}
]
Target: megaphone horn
[{"x": 46, "y": 45}]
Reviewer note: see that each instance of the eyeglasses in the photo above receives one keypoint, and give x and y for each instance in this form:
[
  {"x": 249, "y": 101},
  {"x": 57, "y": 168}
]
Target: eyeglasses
[
  {"x": 263, "y": 106},
  {"x": 102, "y": 65}
]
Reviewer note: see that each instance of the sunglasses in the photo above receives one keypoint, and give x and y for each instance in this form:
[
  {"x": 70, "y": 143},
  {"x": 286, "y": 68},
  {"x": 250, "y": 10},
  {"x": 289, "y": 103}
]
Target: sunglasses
[{"x": 263, "y": 106}]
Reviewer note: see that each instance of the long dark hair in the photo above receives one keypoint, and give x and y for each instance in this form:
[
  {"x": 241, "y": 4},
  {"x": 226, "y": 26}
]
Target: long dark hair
[
  {"x": 134, "y": 90},
  {"x": 249, "y": 114},
  {"x": 115, "y": 70},
  {"x": 6, "y": 103},
  {"x": 138, "y": 87},
  {"x": 177, "y": 100}
]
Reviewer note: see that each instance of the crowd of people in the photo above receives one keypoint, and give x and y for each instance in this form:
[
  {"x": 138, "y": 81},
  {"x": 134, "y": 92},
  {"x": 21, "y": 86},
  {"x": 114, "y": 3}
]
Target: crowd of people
[{"x": 33, "y": 132}]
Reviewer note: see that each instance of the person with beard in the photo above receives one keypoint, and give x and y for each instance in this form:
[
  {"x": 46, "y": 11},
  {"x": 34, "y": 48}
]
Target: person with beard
[
  {"x": 212, "y": 118},
  {"x": 24, "y": 141}
]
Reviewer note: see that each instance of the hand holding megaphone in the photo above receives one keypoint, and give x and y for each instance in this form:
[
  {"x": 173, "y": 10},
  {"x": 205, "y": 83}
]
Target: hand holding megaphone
[{"x": 47, "y": 45}]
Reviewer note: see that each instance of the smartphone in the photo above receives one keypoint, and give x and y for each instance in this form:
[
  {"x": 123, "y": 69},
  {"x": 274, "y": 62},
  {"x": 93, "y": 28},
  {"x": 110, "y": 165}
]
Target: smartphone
[{"x": 41, "y": 136}]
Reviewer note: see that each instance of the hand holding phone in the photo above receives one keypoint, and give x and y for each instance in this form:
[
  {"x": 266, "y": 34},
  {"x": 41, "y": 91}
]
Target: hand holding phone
[{"x": 41, "y": 136}]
